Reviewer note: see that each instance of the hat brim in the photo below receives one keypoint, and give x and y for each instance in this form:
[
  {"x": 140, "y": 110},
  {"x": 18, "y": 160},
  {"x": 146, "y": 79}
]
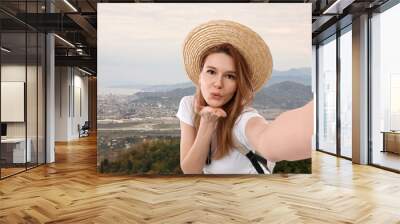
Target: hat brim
[{"x": 252, "y": 47}]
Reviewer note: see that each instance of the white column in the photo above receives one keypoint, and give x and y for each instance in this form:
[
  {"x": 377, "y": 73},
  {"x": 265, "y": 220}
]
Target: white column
[
  {"x": 50, "y": 98},
  {"x": 360, "y": 90},
  {"x": 50, "y": 92}
]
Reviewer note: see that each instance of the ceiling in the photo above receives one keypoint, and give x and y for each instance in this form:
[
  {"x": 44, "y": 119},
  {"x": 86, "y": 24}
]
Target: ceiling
[{"x": 75, "y": 22}]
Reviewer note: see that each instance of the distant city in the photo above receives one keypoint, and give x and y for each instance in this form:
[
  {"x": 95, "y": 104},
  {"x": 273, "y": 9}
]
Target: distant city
[{"x": 126, "y": 118}]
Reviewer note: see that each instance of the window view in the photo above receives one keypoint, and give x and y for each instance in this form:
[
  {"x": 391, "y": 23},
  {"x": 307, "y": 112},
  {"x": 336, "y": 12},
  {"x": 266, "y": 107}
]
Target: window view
[
  {"x": 345, "y": 92},
  {"x": 385, "y": 101},
  {"x": 327, "y": 96}
]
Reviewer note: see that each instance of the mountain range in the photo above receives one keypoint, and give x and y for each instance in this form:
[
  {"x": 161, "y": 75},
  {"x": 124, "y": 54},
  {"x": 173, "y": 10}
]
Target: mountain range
[
  {"x": 281, "y": 95},
  {"x": 298, "y": 75}
]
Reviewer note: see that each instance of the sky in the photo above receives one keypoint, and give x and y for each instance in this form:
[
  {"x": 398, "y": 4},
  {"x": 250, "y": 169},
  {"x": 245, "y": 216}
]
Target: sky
[{"x": 141, "y": 43}]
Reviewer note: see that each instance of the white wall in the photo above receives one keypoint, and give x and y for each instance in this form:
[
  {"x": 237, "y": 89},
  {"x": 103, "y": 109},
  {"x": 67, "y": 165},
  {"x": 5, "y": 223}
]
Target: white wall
[
  {"x": 81, "y": 114},
  {"x": 70, "y": 83},
  {"x": 12, "y": 73},
  {"x": 33, "y": 125},
  {"x": 12, "y": 101},
  {"x": 62, "y": 80}
]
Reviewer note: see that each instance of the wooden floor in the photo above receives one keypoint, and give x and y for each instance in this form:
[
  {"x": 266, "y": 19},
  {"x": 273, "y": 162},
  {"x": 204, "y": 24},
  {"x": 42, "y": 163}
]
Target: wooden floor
[
  {"x": 10, "y": 171},
  {"x": 70, "y": 191},
  {"x": 388, "y": 159}
]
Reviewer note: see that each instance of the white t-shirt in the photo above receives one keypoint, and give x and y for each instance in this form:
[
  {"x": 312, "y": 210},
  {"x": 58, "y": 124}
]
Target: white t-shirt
[{"x": 234, "y": 162}]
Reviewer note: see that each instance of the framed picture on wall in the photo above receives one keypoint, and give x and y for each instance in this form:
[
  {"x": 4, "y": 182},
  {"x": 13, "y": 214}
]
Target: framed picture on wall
[{"x": 12, "y": 101}]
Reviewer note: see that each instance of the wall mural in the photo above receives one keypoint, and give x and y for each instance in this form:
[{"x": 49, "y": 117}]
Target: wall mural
[{"x": 142, "y": 80}]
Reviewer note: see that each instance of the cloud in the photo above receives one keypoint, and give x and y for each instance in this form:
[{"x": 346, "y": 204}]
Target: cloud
[{"x": 146, "y": 39}]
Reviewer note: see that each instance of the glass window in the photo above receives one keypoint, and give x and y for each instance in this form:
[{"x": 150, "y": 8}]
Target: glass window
[
  {"x": 346, "y": 93},
  {"x": 41, "y": 98},
  {"x": 14, "y": 150},
  {"x": 31, "y": 99},
  {"x": 385, "y": 84},
  {"x": 22, "y": 92},
  {"x": 327, "y": 96}
]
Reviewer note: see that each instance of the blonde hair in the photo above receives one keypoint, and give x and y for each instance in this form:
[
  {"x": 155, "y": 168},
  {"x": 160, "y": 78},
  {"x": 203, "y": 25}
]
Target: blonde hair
[{"x": 243, "y": 96}]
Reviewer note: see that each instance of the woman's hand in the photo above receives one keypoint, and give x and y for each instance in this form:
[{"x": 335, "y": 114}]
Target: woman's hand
[
  {"x": 196, "y": 145},
  {"x": 210, "y": 115}
]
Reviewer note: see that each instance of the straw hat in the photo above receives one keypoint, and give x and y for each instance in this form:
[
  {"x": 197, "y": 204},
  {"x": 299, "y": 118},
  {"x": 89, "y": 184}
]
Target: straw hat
[{"x": 252, "y": 47}]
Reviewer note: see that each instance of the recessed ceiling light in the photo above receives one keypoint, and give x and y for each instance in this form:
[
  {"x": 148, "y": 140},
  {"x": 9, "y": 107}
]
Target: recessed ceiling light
[
  {"x": 337, "y": 7},
  {"x": 84, "y": 71},
  {"x": 70, "y": 5},
  {"x": 64, "y": 40},
  {"x": 5, "y": 50}
]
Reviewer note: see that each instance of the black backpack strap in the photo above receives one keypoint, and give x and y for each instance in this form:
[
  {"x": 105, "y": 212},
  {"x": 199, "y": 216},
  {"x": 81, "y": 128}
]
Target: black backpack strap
[
  {"x": 254, "y": 158},
  {"x": 208, "y": 160},
  {"x": 260, "y": 159}
]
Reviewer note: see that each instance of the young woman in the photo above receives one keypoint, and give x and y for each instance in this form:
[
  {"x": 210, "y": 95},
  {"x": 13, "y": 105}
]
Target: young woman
[{"x": 228, "y": 63}]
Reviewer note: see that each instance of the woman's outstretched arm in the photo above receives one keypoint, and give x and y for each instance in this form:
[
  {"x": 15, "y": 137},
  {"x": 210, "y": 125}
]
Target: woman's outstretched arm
[{"x": 288, "y": 137}]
